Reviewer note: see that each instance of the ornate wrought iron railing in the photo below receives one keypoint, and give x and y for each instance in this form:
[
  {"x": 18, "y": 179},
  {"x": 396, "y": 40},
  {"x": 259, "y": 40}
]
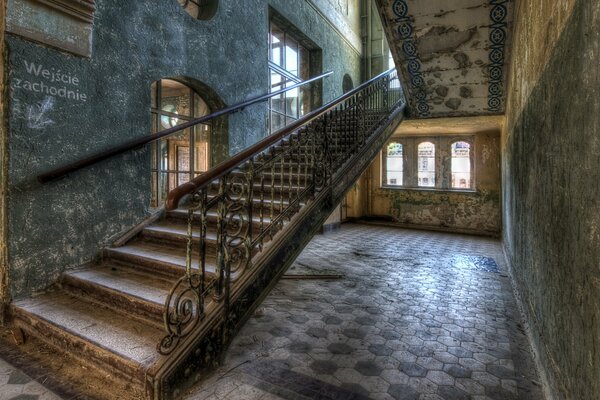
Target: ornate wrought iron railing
[{"x": 248, "y": 199}]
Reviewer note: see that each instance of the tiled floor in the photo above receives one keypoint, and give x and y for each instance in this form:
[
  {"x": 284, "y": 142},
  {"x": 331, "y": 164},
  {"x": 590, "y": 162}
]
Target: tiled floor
[
  {"x": 16, "y": 385},
  {"x": 416, "y": 315}
]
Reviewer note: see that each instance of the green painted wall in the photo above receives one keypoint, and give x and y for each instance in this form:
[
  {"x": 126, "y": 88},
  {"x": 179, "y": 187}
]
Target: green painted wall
[
  {"x": 66, "y": 223},
  {"x": 551, "y": 192}
]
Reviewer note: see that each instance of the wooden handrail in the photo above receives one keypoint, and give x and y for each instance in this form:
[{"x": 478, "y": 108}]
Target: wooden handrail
[
  {"x": 175, "y": 195},
  {"x": 137, "y": 143}
]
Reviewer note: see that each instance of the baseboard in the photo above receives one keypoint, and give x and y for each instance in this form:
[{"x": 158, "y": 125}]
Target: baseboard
[{"x": 378, "y": 220}]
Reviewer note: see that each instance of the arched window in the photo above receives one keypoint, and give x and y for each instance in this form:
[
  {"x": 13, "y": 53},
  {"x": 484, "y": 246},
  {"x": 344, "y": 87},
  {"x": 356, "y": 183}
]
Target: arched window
[
  {"x": 461, "y": 165},
  {"x": 426, "y": 164},
  {"x": 394, "y": 164},
  {"x": 178, "y": 158},
  {"x": 200, "y": 9}
]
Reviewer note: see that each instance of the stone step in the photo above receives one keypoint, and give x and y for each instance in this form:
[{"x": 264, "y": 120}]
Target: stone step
[
  {"x": 96, "y": 335},
  {"x": 180, "y": 214},
  {"x": 131, "y": 292},
  {"x": 161, "y": 259}
]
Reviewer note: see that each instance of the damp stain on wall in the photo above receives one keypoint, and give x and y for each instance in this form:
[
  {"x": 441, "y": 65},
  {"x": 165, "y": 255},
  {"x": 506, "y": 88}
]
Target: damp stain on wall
[{"x": 475, "y": 211}]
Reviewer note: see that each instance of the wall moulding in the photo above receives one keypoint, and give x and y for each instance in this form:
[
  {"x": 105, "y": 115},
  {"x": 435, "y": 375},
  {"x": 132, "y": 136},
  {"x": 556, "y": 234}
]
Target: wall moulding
[
  {"x": 81, "y": 9},
  {"x": 64, "y": 24}
]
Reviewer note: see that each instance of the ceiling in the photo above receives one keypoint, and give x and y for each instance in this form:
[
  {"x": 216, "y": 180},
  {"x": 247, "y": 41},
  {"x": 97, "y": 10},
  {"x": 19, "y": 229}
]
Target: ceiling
[{"x": 452, "y": 54}]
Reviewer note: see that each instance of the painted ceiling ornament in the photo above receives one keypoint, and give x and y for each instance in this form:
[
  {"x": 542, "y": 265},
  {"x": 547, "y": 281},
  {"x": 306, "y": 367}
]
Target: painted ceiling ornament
[
  {"x": 408, "y": 49},
  {"x": 400, "y": 8},
  {"x": 497, "y": 37}
]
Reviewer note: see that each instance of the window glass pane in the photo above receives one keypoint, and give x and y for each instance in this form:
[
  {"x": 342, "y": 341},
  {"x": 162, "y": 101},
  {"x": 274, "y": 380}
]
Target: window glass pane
[
  {"x": 291, "y": 101},
  {"x": 201, "y": 155},
  {"x": 426, "y": 164},
  {"x": 461, "y": 165},
  {"x": 394, "y": 165},
  {"x": 200, "y": 106},
  {"x": 175, "y": 102},
  {"x": 277, "y": 121},
  {"x": 277, "y": 40},
  {"x": 278, "y": 103},
  {"x": 183, "y": 164},
  {"x": 291, "y": 56}
]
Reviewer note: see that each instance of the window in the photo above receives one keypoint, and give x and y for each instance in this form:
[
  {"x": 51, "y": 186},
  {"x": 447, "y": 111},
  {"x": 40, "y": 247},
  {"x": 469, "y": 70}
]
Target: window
[
  {"x": 289, "y": 63},
  {"x": 438, "y": 162},
  {"x": 426, "y": 162},
  {"x": 394, "y": 165},
  {"x": 200, "y": 9},
  {"x": 181, "y": 157},
  {"x": 461, "y": 165}
]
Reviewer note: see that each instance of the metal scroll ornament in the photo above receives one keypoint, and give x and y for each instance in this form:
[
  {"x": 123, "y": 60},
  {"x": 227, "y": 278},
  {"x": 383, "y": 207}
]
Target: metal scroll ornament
[{"x": 185, "y": 311}]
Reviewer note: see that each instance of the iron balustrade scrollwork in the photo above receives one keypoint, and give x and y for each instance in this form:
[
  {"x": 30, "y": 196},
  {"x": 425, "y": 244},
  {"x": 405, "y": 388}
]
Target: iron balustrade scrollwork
[{"x": 255, "y": 194}]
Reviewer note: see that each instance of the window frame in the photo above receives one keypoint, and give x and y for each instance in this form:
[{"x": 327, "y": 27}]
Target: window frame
[
  {"x": 308, "y": 64},
  {"x": 443, "y": 162}
]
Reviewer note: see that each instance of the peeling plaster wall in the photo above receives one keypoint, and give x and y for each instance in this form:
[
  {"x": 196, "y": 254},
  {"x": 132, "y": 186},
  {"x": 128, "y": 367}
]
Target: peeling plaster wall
[
  {"x": 475, "y": 212},
  {"x": 551, "y": 193},
  {"x": 453, "y": 54},
  {"x": 64, "y": 224}
]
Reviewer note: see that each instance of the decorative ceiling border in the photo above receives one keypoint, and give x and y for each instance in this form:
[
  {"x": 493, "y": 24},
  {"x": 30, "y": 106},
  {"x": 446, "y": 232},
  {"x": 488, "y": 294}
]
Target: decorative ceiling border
[
  {"x": 405, "y": 33},
  {"x": 498, "y": 34}
]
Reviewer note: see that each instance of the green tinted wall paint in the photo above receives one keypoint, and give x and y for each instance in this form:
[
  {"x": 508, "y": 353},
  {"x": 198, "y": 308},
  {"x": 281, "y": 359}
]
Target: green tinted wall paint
[{"x": 64, "y": 224}]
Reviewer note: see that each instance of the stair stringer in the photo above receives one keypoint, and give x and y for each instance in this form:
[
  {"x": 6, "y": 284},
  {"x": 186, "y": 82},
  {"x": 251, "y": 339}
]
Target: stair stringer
[{"x": 202, "y": 349}]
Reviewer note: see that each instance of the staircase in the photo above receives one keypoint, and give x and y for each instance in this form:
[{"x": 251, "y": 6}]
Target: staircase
[{"x": 158, "y": 310}]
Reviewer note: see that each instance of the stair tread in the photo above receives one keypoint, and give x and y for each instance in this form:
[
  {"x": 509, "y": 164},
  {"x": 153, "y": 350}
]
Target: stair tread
[
  {"x": 161, "y": 253},
  {"x": 142, "y": 285},
  {"x": 175, "y": 228},
  {"x": 213, "y": 214},
  {"x": 100, "y": 326}
]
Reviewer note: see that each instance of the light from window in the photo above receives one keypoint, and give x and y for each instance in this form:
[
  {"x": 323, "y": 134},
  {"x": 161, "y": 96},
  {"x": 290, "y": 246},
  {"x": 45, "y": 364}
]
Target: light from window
[
  {"x": 394, "y": 164},
  {"x": 461, "y": 165},
  {"x": 288, "y": 65},
  {"x": 426, "y": 163}
]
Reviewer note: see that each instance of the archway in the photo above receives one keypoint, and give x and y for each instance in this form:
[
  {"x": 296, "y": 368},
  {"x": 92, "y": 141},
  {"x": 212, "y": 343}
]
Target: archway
[{"x": 183, "y": 156}]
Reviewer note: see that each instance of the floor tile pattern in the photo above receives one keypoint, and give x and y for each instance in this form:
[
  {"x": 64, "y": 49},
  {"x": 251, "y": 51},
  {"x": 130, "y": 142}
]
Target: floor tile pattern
[
  {"x": 417, "y": 315},
  {"x": 16, "y": 385}
]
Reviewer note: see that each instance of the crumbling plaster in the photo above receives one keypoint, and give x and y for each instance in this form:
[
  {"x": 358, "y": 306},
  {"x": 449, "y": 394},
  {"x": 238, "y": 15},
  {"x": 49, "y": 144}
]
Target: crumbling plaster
[{"x": 453, "y": 55}]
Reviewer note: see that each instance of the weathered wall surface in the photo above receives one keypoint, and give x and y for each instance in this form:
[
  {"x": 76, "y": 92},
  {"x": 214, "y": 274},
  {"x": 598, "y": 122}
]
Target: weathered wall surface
[
  {"x": 476, "y": 211},
  {"x": 551, "y": 188},
  {"x": 3, "y": 165},
  {"x": 65, "y": 223}
]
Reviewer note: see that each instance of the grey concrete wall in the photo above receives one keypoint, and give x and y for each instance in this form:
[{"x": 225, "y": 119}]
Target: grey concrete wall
[
  {"x": 551, "y": 193},
  {"x": 65, "y": 223}
]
